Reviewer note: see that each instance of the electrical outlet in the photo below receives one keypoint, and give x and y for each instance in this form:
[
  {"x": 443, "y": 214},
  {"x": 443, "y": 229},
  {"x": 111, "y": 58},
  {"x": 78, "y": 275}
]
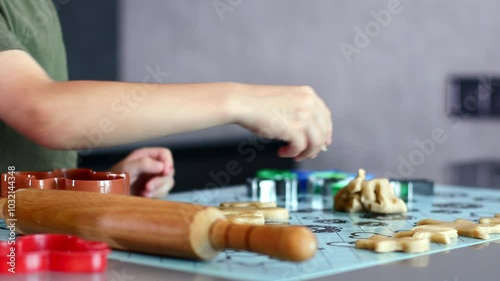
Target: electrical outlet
[{"x": 473, "y": 96}]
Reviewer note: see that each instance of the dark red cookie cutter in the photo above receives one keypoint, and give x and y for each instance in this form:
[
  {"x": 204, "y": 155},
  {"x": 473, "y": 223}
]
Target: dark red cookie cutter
[
  {"x": 67, "y": 179},
  {"x": 53, "y": 252}
]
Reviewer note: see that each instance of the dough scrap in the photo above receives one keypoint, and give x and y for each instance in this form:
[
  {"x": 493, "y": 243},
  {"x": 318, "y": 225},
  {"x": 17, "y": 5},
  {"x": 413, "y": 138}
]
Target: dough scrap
[
  {"x": 430, "y": 230},
  {"x": 375, "y": 195},
  {"x": 383, "y": 244},
  {"x": 436, "y": 234},
  {"x": 256, "y": 218},
  {"x": 494, "y": 220},
  {"x": 271, "y": 214},
  {"x": 465, "y": 227},
  {"x": 256, "y": 204}
]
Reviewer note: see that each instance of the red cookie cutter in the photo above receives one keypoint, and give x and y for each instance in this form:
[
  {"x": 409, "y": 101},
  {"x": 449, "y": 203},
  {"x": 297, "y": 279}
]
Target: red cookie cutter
[
  {"x": 67, "y": 179},
  {"x": 52, "y": 252}
]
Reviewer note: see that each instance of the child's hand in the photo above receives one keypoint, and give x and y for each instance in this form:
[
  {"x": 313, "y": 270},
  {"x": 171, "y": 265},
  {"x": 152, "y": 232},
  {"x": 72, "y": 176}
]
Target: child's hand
[
  {"x": 151, "y": 171},
  {"x": 294, "y": 114}
]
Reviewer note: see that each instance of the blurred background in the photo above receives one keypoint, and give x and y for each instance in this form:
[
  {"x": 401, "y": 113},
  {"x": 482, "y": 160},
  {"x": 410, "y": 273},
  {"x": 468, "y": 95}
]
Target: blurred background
[{"x": 414, "y": 86}]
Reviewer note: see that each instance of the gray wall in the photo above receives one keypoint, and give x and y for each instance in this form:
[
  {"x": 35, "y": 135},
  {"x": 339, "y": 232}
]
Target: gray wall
[{"x": 390, "y": 95}]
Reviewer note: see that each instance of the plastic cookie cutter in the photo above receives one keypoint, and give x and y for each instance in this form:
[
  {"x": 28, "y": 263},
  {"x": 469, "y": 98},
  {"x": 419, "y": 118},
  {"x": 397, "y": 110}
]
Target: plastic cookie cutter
[
  {"x": 52, "y": 252},
  {"x": 67, "y": 179}
]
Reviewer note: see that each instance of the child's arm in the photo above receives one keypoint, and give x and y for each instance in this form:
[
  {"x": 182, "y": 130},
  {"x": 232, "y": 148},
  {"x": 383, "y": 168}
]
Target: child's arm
[{"x": 62, "y": 115}]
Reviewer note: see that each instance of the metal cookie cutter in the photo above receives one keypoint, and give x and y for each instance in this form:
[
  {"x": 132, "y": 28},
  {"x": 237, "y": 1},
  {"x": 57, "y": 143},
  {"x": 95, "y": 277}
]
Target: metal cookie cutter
[
  {"x": 53, "y": 252},
  {"x": 274, "y": 185},
  {"x": 67, "y": 179},
  {"x": 405, "y": 188},
  {"x": 322, "y": 186}
]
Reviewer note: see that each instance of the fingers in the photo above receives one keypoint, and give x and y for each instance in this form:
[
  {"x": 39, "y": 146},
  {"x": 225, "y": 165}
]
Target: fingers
[
  {"x": 145, "y": 166},
  {"x": 165, "y": 156},
  {"x": 296, "y": 146},
  {"x": 158, "y": 154},
  {"x": 315, "y": 143},
  {"x": 158, "y": 187},
  {"x": 309, "y": 131},
  {"x": 151, "y": 171},
  {"x": 306, "y": 145},
  {"x": 326, "y": 124}
]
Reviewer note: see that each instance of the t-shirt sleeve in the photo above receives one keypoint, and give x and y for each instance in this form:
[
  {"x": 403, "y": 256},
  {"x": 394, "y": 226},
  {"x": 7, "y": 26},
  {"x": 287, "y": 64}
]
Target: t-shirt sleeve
[{"x": 8, "y": 41}]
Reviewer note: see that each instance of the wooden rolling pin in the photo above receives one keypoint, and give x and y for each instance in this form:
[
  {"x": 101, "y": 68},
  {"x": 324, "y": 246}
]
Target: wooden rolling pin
[{"x": 152, "y": 226}]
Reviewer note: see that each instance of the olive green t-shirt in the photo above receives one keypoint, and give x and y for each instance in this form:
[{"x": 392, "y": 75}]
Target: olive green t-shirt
[{"x": 32, "y": 26}]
